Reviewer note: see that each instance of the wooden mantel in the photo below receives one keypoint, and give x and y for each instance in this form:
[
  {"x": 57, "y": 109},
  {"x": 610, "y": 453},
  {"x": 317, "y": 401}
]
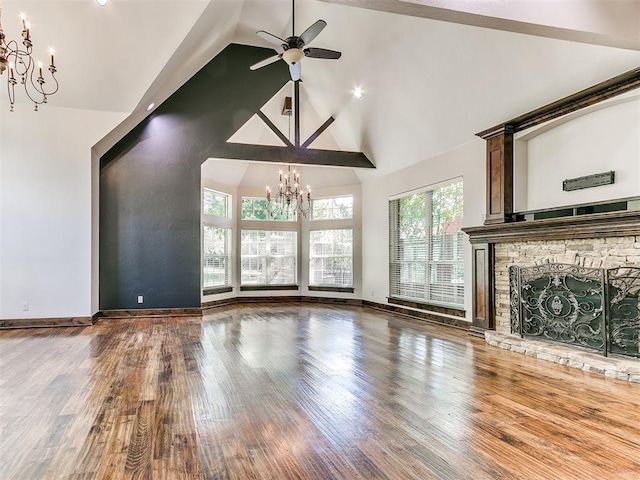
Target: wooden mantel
[
  {"x": 484, "y": 238},
  {"x": 499, "y": 138},
  {"x": 612, "y": 224},
  {"x": 502, "y": 224}
]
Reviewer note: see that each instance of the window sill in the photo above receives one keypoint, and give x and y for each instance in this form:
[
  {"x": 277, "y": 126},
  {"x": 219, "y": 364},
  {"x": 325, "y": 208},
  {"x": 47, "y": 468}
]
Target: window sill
[
  {"x": 216, "y": 290},
  {"x": 258, "y": 288},
  {"x": 323, "y": 288},
  {"x": 456, "y": 312}
]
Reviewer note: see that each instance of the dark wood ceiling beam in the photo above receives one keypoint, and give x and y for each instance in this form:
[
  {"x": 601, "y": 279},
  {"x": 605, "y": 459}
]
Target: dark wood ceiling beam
[
  {"x": 303, "y": 156},
  {"x": 295, "y": 153},
  {"x": 296, "y": 111},
  {"x": 318, "y": 132},
  {"x": 274, "y": 129}
]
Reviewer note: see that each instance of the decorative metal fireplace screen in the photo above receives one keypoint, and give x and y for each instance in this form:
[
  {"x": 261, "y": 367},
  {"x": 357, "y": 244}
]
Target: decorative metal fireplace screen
[{"x": 589, "y": 307}]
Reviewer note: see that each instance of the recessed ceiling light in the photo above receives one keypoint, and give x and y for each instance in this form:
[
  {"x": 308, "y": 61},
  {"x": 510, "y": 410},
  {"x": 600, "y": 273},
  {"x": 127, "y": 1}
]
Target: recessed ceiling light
[
  {"x": 357, "y": 92},
  {"x": 102, "y": 3},
  {"x": 151, "y": 105}
]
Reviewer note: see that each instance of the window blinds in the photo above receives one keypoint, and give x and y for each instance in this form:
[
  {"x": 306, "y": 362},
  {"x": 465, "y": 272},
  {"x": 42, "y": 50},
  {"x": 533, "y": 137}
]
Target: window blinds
[
  {"x": 216, "y": 264},
  {"x": 426, "y": 246},
  {"x": 331, "y": 257},
  {"x": 268, "y": 257}
]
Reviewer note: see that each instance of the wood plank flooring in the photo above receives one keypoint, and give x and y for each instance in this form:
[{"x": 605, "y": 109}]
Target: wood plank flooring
[{"x": 295, "y": 391}]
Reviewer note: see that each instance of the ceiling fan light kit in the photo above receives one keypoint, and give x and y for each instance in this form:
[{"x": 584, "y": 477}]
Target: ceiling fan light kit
[{"x": 293, "y": 56}]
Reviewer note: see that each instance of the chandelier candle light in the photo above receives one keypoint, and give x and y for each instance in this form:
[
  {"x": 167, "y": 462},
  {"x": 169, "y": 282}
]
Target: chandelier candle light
[
  {"x": 289, "y": 195},
  {"x": 20, "y": 64}
]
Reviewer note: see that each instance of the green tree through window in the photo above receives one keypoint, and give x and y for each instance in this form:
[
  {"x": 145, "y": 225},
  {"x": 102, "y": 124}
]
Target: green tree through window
[{"x": 215, "y": 203}]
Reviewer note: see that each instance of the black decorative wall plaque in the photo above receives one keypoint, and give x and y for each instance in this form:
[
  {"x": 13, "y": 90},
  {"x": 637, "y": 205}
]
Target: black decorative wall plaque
[{"x": 595, "y": 180}]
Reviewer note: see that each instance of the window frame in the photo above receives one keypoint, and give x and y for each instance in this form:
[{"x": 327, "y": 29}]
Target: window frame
[
  {"x": 228, "y": 201},
  {"x": 311, "y": 256},
  {"x": 266, "y": 258},
  {"x": 227, "y": 285},
  {"x": 221, "y": 222},
  {"x": 312, "y": 217},
  {"x": 429, "y": 264},
  {"x": 268, "y": 216}
]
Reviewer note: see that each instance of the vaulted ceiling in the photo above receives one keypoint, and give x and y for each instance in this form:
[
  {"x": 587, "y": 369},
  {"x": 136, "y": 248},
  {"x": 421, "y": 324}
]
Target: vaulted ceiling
[{"x": 433, "y": 72}]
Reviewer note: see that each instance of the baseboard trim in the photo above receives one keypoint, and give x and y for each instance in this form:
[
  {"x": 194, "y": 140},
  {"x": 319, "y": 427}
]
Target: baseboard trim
[
  {"x": 431, "y": 317},
  {"x": 477, "y": 331},
  {"x": 429, "y": 307},
  {"x": 46, "y": 322},
  {"x": 150, "y": 312},
  {"x": 281, "y": 299}
]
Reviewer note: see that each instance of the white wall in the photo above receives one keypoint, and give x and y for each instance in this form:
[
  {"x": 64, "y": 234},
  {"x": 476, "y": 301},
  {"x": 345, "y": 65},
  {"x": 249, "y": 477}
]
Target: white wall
[
  {"x": 45, "y": 209},
  {"x": 606, "y": 137},
  {"x": 467, "y": 161}
]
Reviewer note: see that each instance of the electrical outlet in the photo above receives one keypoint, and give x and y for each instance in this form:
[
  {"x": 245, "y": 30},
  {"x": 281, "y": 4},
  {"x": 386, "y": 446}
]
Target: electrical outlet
[
  {"x": 140, "y": 299},
  {"x": 25, "y": 307}
]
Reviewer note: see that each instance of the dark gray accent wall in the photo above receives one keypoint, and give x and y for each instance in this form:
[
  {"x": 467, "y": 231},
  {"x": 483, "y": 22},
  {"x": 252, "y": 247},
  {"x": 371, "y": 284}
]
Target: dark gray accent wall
[{"x": 150, "y": 180}]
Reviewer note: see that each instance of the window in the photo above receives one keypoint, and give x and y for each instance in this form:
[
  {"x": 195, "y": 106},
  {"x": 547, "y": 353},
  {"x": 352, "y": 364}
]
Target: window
[
  {"x": 334, "y": 208},
  {"x": 256, "y": 209},
  {"x": 268, "y": 257},
  {"x": 331, "y": 258},
  {"x": 216, "y": 242},
  {"x": 216, "y": 270},
  {"x": 215, "y": 203},
  {"x": 426, "y": 246}
]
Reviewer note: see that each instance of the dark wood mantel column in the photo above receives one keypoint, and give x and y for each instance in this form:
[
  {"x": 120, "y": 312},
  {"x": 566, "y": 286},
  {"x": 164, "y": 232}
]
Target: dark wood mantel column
[
  {"x": 483, "y": 289},
  {"x": 499, "y": 174},
  {"x": 499, "y": 210}
]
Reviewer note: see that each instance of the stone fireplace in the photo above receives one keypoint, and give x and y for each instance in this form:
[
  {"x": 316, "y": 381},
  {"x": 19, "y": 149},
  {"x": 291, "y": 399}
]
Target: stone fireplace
[
  {"x": 600, "y": 231},
  {"x": 534, "y": 236},
  {"x": 596, "y": 241}
]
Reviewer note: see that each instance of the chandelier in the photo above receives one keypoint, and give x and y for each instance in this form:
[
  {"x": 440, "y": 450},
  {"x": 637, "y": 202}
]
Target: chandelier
[
  {"x": 289, "y": 197},
  {"x": 22, "y": 68}
]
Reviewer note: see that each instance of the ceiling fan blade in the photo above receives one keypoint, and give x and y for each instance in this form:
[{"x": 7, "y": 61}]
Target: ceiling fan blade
[
  {"x": 271, "y": 38},
  {"x": 295, "y": 71},
  {"x": 265, "y": 62},
  {"x": 321, "y": 53},
  {"x": 312, "y": 32}
]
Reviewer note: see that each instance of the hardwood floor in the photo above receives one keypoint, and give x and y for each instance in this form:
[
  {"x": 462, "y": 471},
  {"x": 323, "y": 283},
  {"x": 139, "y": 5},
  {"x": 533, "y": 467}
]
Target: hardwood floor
[{"x": 298, "y": 391}]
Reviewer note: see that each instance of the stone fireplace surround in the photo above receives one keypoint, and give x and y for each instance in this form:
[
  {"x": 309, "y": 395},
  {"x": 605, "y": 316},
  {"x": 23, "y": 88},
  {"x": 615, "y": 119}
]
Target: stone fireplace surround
[
  {"x": 596, "y": 241},
  {"x": 591, "y": 253}
]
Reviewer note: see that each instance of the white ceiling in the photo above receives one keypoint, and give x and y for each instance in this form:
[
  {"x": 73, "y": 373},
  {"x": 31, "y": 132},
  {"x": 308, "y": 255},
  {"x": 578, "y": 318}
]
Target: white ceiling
[{"x": 429, "y": 85}]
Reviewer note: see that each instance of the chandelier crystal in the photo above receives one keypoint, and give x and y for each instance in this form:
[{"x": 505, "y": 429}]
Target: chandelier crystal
[
  {"x": 22, "y": 67},
  {"x": 290, "y": 197}
]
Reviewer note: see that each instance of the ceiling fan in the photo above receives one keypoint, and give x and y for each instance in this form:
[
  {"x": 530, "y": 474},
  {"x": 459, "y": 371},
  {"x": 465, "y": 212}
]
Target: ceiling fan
[{"x": 294, "y": 48}]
